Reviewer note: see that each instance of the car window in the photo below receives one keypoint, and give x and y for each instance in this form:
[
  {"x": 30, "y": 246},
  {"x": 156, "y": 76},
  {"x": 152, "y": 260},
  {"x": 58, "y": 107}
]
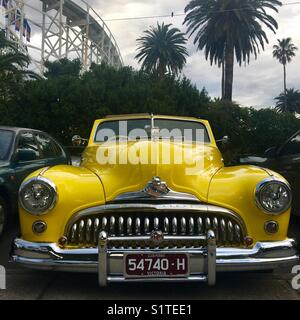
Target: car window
[
  {"x": 141, "y": 128},
  {"x": 292, "y": 147},
  {"x": 27, "y": 142},
  {"x": 6, "y": 138},
  {"x": 182, "y": 130},
  {"x": 114, "y": 129},
  {"x": 49, "y": 149}
]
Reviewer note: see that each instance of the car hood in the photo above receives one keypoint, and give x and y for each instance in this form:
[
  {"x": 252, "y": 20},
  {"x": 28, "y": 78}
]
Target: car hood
[{"x": 193, "y": 175}]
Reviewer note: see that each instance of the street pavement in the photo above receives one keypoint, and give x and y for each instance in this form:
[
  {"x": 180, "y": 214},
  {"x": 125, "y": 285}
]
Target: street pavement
[{"x": 24, "y": 283}]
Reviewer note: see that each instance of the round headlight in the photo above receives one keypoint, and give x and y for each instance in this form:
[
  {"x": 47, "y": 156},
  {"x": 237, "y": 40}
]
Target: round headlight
[
  {"x": 38, "y": 195},
  {"x": 273, "y": 196}
]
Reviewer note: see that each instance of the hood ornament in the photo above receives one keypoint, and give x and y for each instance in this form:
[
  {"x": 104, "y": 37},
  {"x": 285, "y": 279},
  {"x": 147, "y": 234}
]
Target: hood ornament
[
  {"x": 157, "y": 237},
  {"x": 156, "y": 188}
]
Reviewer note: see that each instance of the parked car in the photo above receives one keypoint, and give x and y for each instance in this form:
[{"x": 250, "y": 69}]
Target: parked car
[
  {"x": 129, "y": 213},
  {"x": 23, "y": 151},
  {"x": 284, "y": 159}
]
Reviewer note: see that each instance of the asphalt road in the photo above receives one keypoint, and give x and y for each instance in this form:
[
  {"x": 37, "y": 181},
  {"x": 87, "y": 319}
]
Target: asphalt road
[{"x": 28, "y": 284}]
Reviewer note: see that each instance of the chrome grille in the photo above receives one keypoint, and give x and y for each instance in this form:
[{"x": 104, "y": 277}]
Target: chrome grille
[{"x": 84, "y": 231}]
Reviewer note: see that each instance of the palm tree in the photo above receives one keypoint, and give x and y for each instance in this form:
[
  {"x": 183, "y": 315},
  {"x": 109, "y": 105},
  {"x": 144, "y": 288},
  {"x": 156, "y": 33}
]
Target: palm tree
[
  {"x": 288, "y": 101},
  {"x": 162, "y": 49},
  {"x": 284, "y": 51},
  {"x": 228, "y": 29},
  {"x": 12, "y": 61}
]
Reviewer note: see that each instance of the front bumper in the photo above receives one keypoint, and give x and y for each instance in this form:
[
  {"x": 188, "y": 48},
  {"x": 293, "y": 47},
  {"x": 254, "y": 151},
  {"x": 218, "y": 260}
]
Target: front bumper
[{"x": 107, "y": 260}]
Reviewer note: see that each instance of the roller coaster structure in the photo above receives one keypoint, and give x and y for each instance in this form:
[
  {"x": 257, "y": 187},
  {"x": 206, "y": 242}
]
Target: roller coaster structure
[{"x": 56, "y": 29}]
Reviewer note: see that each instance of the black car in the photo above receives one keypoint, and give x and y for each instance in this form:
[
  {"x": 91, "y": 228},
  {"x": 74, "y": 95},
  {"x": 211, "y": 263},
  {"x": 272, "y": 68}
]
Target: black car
[
  {"x": 285, "y": 160},
  {"x": 23, "y": 151}
]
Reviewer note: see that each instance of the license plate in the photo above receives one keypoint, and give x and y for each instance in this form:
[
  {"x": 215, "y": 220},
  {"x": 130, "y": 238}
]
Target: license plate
[{"x": 156, "y": 265}]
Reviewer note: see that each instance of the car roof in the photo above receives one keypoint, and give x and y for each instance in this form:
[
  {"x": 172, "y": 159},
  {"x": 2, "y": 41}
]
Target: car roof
[
  {"x": 17, "y": 129},
  {"x": 146, "y": 115}
]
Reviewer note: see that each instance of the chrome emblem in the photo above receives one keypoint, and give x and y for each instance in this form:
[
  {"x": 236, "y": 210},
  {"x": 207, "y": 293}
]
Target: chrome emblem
[
  {"x": 156, "y": 188},
  {"x": 157, "y": 237}
]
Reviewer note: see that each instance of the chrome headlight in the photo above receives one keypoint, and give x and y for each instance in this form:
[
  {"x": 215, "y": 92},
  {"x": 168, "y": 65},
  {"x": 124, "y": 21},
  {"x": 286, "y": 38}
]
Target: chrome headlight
[
  {"x": 38, "y": 195},
  {"x": 273, "y": 196}
]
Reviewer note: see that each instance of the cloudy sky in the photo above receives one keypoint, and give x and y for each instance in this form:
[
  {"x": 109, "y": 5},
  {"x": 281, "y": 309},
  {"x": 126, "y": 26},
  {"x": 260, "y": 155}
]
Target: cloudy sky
[{"x": 254, "y": 85}]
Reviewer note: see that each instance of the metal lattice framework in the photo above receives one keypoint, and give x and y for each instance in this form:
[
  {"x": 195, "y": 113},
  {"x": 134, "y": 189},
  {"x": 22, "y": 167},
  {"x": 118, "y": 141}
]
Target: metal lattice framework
[{"x": 60, "y": 29}]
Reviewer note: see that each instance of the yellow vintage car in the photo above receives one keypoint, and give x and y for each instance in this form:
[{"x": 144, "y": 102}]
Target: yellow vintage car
[{"x": 153, "y": 201}]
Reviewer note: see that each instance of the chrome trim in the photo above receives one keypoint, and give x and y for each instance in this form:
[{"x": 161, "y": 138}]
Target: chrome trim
[
  {"x": 230, "y": 230},
  {"x": 121, "y": 225},
  {"x": 49, "y": 184},
  {"x": 199, "y": 225},
  {"x": 112, "y": 223},
  {"x": 174, "y": 225},
  {"x": 268, "y": 180},
  {"x": 166, "y": 225},
  {"x": 129, "y": 225},
  {"x": 104, "y": 223},
  {"x": 172, "y": 219},
  {"x": 223, "y": 229},
  {"x": 44, "y": 171},
  {"x": 237, "y": 230},
  {"x": 102, "y": 259},
  {"x": 96, "y": 228},
  {"x": 147, "y": 226},
  {"x": 109, "y": 262},
  {"x": 138, "y": 226},
  {"x": 183, "y": 225},
  {"x": 191, "y": 226},
  {"x": 143, "y": 195},
  {"x": 156, "y": 224},
  {"x": 150, "y": 207},
  {"x": 80, "y": 231},
  {"x": 88, "y": 230},
  {"x": 215, "y": 226},
  {"x": 73, "y": 234},
  {"x": 211, "y": 258},
  {"x": 207, "y": 223}
]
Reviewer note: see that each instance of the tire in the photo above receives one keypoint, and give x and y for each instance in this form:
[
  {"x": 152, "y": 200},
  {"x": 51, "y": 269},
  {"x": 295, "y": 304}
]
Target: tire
[{"x": 3, "y": 216}]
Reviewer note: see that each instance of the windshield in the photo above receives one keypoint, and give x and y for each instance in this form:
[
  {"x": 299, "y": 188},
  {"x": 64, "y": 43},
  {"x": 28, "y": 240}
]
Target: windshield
[
  {"x": 137, "y": 129},
  {"x": 6, "y": 138}
]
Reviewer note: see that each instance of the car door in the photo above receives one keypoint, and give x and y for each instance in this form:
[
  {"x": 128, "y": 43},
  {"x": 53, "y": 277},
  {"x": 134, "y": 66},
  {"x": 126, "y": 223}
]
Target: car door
[
  {"x": 288, "y": 163},
  {"x": 51, "y": 152},
  {"x": 26, "y": 141}
]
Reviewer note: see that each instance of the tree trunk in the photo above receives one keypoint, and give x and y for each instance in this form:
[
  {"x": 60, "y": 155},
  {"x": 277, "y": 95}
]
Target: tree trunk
[
  {"x": 229, "y": 63},
  {"x": 161, "y": 70},
  {"x": 223, "y": 78},
  {"x": 284, "y": 84}
]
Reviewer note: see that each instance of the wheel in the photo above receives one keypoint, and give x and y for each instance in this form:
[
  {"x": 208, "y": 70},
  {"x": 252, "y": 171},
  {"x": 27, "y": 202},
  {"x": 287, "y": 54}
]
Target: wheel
[{"x": 3, "y": 216}]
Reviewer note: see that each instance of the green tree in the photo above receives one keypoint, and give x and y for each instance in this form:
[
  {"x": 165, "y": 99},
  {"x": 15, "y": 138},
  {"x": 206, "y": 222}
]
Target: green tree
[
  {"x": 230, "y": 28},
  {"x": 13, "y": 69},
  {"x": 284, "y": 51},
  {"x": 161, "y": 50},
  {"x": 62, "y": 67},
  {"x": 13, "y": 61},
  {"x": 288, "y": 101}
]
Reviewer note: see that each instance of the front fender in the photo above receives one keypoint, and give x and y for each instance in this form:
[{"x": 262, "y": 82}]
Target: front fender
[
  {"x": 234, "y": 188},
  {"x": 78, "y": 188}
]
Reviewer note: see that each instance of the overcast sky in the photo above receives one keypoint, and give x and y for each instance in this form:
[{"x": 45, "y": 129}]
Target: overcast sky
[{"x": 254, "y": 85}]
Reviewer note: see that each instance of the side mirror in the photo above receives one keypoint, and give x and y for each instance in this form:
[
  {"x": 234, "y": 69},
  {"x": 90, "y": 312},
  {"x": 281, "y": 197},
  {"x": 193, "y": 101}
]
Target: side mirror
[
  {"x": 77, "y": 141},
  {"x": 271, "y": 152},
  {"x": 225, "y": 140},
  {"x": 26, "y": 155}
]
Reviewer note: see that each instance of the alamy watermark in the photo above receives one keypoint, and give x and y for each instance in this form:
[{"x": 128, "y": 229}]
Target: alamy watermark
[
  {"x": 2, "y": 278},
  {"x": 178, "y": 146},
  {"x": 296, "y": 278}
]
